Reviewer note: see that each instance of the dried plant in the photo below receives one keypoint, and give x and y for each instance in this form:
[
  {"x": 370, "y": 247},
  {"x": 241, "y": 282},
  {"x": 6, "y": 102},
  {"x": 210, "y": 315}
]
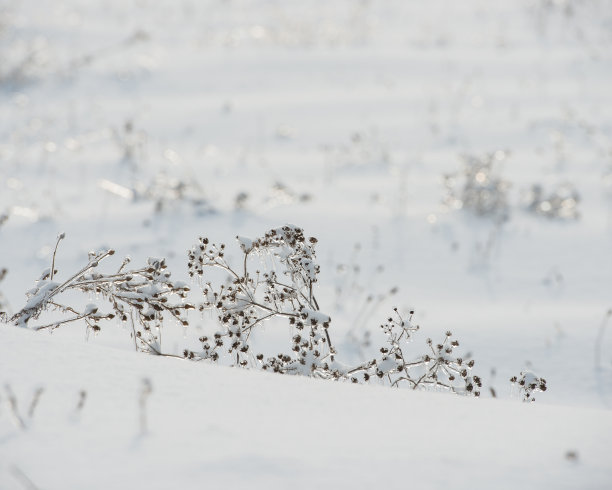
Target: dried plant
[
  {"x": 252, "y": 297},
  {"x": 24, "y": 479},
  {"x": 20, "y": 421},
  {"x": 281, "y": 194},
  {"x": 364, "y": 148},
  {"x": 479, "y": 187},
  {"x": 354, "y": 289},
  {"x": 24, "y": 60},
  {"x": 281, "y": 288},
  {"x": 561, "y": 203},
  {"x": 3, "y": 273},
  {"x": 164, "y": 192},
  {"x": 528, "y": 384},
  {"x": 3, "y": 304},
  {"x": 81, "y": 402},
  {"x": 30, "y": 59},
  {"x": 141, "y": 296},
  {"x": 240, "y": 201},
  {"x": 132, "y": 144},
  {"x": 35, "y": 399},
  {"x": 440, "y": 368},
  {"x": 289, "y": 27},
  {"x": 14, "y": 407}
]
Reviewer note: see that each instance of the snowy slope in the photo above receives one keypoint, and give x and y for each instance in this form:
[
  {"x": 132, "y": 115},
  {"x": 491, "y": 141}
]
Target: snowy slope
[
  {"x": 226, "y": 427},
  {"x": 143, "y": 125}
]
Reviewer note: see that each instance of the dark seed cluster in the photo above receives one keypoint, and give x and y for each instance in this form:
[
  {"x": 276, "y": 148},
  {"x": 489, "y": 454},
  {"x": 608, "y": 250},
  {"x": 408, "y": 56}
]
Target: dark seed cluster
[
  {"x": 250, "y": 297},
  {"x": 439, "y": 368},
  {"x": 528, "y": 384}
]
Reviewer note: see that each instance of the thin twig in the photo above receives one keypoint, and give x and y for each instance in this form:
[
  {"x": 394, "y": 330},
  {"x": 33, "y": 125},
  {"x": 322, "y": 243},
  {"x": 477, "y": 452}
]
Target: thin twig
[
  {"x": 133, "y": 330},
  {"x": 54, "y": 325},
  {"x": 34, "y": 404},
  {"x": 81, "y": 402},
  {"x": 60, "y": 237},
  {"x": 23, "y": 478},
  {"x": 12, "y": 399}
]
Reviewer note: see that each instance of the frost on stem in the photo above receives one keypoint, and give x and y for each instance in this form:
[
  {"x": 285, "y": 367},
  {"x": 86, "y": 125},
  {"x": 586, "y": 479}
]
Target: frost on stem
[
  {"x": 3, "y": 306},
  {"x": 285, "y": 290},
  {"x": 3, "y": 272},
  {"x": 439, "y": 368},
  {"x": 528, "y": 384},
  {"x": 164, "y": 191},
  {"x": 143, "y": 296}
]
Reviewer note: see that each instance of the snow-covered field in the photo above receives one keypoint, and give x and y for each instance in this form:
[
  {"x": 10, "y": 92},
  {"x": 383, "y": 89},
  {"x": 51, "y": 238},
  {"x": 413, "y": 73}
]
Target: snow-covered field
[{"x": 142, "y": 125}]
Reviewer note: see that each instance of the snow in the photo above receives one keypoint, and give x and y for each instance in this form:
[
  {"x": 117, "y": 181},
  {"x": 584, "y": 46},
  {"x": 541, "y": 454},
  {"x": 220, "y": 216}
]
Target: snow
[
  {"x": 230, "y": 427},
  {"x": 41, "y": 295},
  {"x": 312, "y": 315},
  {"x": 143, "y": 126},
  {"x": 246, "y": 244},
  {"x": 90, "y": 309}
]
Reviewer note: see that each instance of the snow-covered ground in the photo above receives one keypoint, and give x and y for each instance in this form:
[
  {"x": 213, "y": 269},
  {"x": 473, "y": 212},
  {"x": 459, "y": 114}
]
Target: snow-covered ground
[
  {"x": 221, "y": 427},
  {"x": 143, "y": 125}
]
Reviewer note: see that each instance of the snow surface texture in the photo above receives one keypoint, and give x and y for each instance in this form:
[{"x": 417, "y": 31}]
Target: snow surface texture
[
  {"x": 243, "y": 429},
  {"x": 458, "y": 151}
]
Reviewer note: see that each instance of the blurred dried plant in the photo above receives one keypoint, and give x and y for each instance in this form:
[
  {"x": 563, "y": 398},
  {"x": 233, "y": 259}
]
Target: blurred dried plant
[
  {"x": 479, "y": 187},
  {"x": 3, "y": 273},
  {"x": 561, "y": 203}
]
